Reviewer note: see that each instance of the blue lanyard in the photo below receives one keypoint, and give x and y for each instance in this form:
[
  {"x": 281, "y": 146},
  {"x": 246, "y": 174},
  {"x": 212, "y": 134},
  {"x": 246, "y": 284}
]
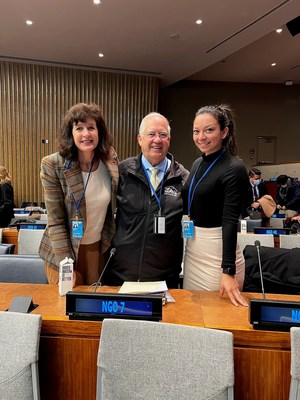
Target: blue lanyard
[
  {"x": 77, "y": 204},
  {"x": 191, "y": 194},
  {"x": 158, "y": 199}
]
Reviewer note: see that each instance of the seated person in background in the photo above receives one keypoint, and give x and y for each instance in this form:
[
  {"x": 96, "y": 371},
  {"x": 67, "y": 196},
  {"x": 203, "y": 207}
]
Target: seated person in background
[
  {"x": 257, "y": 189},
  {"x": 6, "y": 198},
  {"x": 288, "y": 195}
]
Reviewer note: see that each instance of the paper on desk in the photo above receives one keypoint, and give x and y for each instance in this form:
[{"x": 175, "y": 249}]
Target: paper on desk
[{"x": 143, "y": 287}]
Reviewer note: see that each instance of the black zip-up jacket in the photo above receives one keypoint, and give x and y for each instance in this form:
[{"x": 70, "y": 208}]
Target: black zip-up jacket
[{"x": 140, "y": 253}]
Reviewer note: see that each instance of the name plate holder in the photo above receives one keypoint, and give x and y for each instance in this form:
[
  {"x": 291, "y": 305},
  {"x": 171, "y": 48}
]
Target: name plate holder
[
  {"x": 274, "y": 315},
  {"x": 97, "y": 306}
]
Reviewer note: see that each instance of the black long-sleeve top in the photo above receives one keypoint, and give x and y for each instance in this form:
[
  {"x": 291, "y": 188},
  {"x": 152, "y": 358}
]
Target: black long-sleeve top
[
  {"x": 6, "y": 204},
  {"x": 219, "y": 198}
]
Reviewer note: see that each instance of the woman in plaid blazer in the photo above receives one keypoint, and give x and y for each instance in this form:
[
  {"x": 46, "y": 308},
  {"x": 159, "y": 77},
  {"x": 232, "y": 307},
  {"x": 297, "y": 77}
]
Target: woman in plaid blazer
[{"x": 80, "y": 184}]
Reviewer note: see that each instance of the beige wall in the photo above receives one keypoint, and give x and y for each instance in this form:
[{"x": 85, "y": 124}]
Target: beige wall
[{"x": 260, "y": 109}]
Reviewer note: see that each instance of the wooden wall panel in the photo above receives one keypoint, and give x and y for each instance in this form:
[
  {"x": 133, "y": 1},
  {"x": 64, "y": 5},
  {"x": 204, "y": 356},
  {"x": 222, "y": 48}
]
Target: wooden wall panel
[{"x": 34, "y": 99}]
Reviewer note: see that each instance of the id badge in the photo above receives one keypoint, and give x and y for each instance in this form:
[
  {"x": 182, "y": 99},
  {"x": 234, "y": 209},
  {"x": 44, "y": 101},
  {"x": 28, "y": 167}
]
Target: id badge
[
  {"x": 159, "y": 224},
  {"x": 77, "y": 228},
  {"x": 188, "y": 229}
]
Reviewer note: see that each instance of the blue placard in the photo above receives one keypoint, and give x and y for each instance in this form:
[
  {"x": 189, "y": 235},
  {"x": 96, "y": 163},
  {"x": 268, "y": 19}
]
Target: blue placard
[{"x": 279, "y": 216}]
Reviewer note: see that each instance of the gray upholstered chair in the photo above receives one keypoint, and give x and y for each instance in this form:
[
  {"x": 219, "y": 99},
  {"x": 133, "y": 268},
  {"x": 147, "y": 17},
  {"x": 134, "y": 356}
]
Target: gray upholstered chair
[
  {"x": 154, "y": 360},
  {"x": 295, "y": 364},
  {"x": 7, "y": 248},
  {"x": 29, "y": 241},
  {"x": 277, "y": 222},
  {"x": 289, "y": 241},
  {"x": 19, "y": 343},
  {"x": 17, "y": 268},
  {"x": 250, "y": 238}
]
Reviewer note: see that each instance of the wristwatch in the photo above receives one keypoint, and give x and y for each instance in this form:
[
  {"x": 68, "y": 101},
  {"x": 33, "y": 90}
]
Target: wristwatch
[{"x": 229, "y": 271}]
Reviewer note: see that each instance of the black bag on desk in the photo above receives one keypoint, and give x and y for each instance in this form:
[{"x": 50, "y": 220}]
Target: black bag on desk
[
  {"x": 254, "y": 213},
  {"x": 280, "y": 268}
]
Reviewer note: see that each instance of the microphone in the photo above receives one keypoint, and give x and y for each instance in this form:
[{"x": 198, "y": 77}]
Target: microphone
[
  {"x": 257, "y": 244},
  {"x": 98, "y": 283}
]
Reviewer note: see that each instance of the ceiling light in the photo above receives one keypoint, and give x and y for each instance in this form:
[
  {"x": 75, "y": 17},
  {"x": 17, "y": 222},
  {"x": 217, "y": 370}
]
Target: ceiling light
[
  {"x": 279, "y": 30},
  {"x": 101, "y": 55},
  {"x": 199, "y": 21},
  {"x": 28, "y": 22},
  {"x": 273, "y": 64},
  {"x": 97, "y": 1}
]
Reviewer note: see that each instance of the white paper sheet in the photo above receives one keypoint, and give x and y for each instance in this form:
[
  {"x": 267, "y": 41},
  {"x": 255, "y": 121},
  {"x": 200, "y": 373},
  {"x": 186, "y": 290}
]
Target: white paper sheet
[{"x": 143, "y": 287}]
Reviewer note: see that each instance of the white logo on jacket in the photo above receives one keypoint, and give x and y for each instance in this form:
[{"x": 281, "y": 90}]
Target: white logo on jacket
[{"x": 170, "y": 191}]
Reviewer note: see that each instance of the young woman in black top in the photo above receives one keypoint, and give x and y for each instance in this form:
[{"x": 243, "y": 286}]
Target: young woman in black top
[
  {"x": 214, "y": 196},
  {"x": 6, "y": 198}
]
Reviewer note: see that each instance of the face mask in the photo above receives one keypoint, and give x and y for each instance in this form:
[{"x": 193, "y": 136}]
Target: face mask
[
  {"x": 284, "y": 186},
  {"x": 256, "y": 182}
]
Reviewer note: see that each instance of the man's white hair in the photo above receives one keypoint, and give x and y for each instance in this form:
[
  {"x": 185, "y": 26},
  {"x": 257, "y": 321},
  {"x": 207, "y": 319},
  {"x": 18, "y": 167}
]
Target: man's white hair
[{"x": 152, "y": 114}]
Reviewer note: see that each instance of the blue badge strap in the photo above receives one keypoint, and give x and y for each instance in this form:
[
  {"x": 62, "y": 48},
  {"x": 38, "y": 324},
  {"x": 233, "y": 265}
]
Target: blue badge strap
[
  {"x": 191, "y": 194},
  {"x": 77, "y": 204},
  {"x": 158, "y": 199}
]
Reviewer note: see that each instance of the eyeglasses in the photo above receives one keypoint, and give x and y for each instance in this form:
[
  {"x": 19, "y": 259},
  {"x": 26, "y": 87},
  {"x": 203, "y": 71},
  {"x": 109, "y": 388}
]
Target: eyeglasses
[{"x": 161, "y": 135}]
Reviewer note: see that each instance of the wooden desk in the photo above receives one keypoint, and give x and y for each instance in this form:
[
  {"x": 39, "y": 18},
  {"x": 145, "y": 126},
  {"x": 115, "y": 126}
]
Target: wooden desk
[
  {"x": 10, "y": 236},
  {"x": 68, "y": 349}
]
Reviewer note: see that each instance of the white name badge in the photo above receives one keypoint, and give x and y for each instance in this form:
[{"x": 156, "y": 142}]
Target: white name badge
[{"x": 159, "y": 224}]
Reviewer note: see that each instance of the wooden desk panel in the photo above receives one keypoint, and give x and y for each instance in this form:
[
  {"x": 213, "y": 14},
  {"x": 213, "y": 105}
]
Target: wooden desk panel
[{"x": 68, "y": 349}]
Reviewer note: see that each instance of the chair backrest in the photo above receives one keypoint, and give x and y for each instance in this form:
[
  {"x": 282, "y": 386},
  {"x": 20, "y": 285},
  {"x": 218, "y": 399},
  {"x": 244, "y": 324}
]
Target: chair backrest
[
  {"x": 1, "y": 231},
  {"x": 250, "y": 238},
  {"x": 289, "y": 241},
  {"x": 295, "y": 364},
  {"x": 29, "y": 241},
  {"x": 155, "y": 360},
  {"x": 16, "y": 268},
  {"x": 7, "y": 248},
  {"x": 276, "y": 222},
  {"x": 19, "y": 342}
]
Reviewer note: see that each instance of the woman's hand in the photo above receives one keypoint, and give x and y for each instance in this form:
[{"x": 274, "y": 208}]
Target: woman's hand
[{"x": 231, "y": 286}]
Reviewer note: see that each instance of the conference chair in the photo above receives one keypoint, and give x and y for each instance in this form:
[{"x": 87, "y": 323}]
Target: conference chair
[
  {"x": 29, "y": 241},
  {"x": 1, "y": 231},
  {"x": 249, "y": 238},
  {"x": 16, "y": 268},
  {"x": 19, "y": 343},
  {"x": 7, "y": 248},
  {"x": 155, "y": 360},
  {"x": 277, "y": 222},
  {"x": 289, "y": 241},
  {"x": 295, "y": 364}
]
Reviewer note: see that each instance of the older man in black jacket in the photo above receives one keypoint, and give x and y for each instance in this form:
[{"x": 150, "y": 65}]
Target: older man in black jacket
[{"x": 149, "y": 209}]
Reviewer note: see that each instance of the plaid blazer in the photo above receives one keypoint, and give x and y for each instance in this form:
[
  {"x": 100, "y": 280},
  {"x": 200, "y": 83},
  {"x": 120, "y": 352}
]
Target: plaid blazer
[{"x": 60, "y": 178}]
